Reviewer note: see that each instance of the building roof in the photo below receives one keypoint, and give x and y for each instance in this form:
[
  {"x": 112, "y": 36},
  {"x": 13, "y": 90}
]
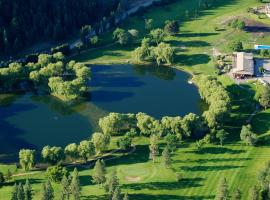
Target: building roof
[{"x": 243, "y": 63}]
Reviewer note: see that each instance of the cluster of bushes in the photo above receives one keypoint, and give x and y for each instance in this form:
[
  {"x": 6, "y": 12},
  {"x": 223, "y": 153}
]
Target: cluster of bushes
[
  {"x": 265, "y": 53},
  {"x": 216, "y": 97},
  {"x": 124, "y": 37},
  {"x": 49, "y": 72},
  {"x": 237, "y": 24}
]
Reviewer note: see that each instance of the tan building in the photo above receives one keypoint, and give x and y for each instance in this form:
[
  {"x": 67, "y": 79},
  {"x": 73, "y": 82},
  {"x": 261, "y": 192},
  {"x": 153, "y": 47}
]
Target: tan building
[{"x": 243, "y": 65}]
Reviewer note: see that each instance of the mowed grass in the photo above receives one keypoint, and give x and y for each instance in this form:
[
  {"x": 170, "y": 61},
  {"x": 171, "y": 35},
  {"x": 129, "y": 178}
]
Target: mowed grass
[
  {"x": 143, "y": 179},
  {"x": 198, "y": 38},
  {"x": 201, "y": 170}
]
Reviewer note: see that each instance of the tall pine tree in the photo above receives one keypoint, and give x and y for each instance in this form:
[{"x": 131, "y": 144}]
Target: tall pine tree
[
  {"x": 28, "y": 191},
  {"x": 166, "y": 158},
  {"x": 65, "y": 193},
  {"x": 99, "y": 172},
  {"x": 222, "y": 192},
  {"x": 75, "y": 185},
  {"x": 112, "y": 184}
]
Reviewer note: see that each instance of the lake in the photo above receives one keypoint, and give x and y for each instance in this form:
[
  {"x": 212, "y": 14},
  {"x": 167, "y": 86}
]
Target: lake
[{"x": 29, "y": 121}]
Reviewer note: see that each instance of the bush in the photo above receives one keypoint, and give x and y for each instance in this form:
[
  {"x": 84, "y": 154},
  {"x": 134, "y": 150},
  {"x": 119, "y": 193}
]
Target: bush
[
  {"x": 171, "y": 27},
  {"x": 2, "y": 178},
  {"x": 236, "y": 45},
  {"x": 124, "y": 143},
  {"x": 56, "y": 173}
]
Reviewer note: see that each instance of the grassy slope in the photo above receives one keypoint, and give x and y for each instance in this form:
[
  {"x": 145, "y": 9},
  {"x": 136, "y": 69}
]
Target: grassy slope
[{"x": 201, "y": 170}]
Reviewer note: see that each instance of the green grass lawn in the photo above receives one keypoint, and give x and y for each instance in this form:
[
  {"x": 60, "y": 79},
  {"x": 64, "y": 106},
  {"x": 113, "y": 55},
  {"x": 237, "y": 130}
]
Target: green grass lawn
[
  {"x": 203, "y": 169},
  {"x": 144, "y": 179}
]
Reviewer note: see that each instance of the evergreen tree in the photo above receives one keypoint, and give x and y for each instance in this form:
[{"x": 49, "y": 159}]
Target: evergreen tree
[
  {"x": 166, "y": 157},
  {"x": 75, "y": 185},
  {"x": 126, "y": 196},
  {"x": 20, "y": 192},
  {"x": 222, "y": 192},
  {"x": 47, "y": 193},
  {"x": 254, "y": 193},
  {"x": 99, "y": 172},
  {"x": 153, "y": 147},
  {"x": 28, "y": 191},
  {"x": 14, "y": 193},
  {"x": 237, "y": 195},
  {"x": 117, "y": 194},
  {"x": 112, "y": 184},
  {"x": 65, "y": 193}
]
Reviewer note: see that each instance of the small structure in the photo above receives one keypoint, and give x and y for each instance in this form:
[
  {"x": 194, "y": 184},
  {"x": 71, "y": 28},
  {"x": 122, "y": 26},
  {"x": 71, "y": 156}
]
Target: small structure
[{"x": 243, "y": 65}]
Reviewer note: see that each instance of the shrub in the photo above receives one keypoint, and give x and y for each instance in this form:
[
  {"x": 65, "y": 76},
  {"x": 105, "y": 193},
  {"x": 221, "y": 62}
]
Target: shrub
[{"x": 56, "y": 173}]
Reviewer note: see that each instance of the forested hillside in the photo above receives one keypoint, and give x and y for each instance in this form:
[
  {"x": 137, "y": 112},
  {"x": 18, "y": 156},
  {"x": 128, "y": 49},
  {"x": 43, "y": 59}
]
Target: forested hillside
[{"x": 23, "y": 22}]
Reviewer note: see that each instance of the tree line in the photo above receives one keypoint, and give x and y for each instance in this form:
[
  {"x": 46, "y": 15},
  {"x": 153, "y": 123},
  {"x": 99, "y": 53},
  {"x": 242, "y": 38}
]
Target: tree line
[{"x": 23, "y": 23}]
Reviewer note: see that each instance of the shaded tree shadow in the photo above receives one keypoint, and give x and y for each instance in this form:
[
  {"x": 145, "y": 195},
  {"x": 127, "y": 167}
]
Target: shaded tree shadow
[
  {"x": 86, "y": 180},
  {"x": 209, "y": 168},
  {"x": 190, "y": 34},
  {"x": 191, "y": 60},
  {"x": 184, "y": 183},
  {"x": 213, "y": 160},
  {"x": 168, "y": 197},
  {"x": 194, "y": 43},
  {"x": 216, "y": 150}
]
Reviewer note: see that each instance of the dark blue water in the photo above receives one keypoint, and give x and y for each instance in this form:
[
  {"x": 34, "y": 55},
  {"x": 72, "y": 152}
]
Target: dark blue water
[{"x": 28, "y": 121}]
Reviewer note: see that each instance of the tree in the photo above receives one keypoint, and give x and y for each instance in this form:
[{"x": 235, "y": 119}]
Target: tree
[
  {"x": 56, "y": 173},
  {"x": 75, "y": 185},
  {"x": 117, "y": 194},
  {"x": 14, "y": 194},
  {"x": 146, "y": 124},
  {"x": 248, "y": 136},
  {"x": 222, "y": 192},
  {"x": 99, "y": 173},
  {"x": 134, "y": 33},
  {"x": 157, "y": 35},
  {"x": 28, "y": 192},
  {"x": 254, "y": 193},
  {"x": 163, "y": 53},
  {"x": 20, "y": 192},
  {"x": 85, "y": 31},
  {"x": 153, "y": 147},
  {"x": 26, "y": 157},
  {"x": 124, "y": 143},
  {"x": 112, "y": 184},
  {"x": 148, "y": 24},
  {"x": 171, "y": 27},
  {"x": 166, "y": 157},
  {"x": 122, "y": 36},
  {"x": 236, "y": 45},
  {"x": 86, "y": 149},
  {"x": 264, "y": 97},
  {"x": 171, "y": 142},
  {"x": 237, "y": 195},
  {"x": 47, "y": 191},
  {"x": 52, "y": 155},
  {"x": 2, "y": 178},
  {"x": 71, "y": 151},
  {"x": 65, "y": 192},
  {"x": 100, "y": 141},
  {"x": 117, "y": 123},
  {"x": 221, "y": 136},
  {"x": 126, "y": 196}
]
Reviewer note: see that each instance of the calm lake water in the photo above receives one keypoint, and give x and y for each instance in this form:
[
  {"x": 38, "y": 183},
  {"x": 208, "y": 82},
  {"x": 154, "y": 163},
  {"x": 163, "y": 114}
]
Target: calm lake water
[{"x": 28, "y": 121}]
